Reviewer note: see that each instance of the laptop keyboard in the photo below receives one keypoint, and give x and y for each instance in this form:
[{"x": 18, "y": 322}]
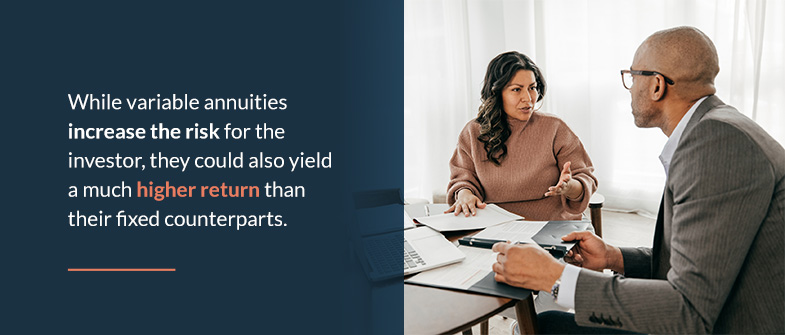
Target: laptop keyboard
[
  {"x": 410, "y": 257},
  {"x": 382, "y": 255}
]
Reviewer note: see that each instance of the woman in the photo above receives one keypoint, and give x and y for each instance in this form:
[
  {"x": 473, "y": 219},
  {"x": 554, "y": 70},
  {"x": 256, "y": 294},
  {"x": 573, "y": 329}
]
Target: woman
[{"x": 527, "y": 162}]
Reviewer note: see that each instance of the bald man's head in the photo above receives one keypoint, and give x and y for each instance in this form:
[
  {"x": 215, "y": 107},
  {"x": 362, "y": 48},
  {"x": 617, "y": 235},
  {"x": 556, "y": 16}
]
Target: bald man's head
[{"x": 685, "y": 55}]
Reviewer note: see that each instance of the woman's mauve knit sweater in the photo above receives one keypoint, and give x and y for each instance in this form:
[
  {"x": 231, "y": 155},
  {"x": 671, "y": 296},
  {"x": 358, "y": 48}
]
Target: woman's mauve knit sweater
[{"x": 536, "y": 152}]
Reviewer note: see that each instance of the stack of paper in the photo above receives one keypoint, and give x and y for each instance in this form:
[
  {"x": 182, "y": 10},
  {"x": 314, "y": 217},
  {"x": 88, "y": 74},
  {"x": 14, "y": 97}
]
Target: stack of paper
[
  {"x": 489, "y": 216},
  {"x": 518, "y": 231},
  {"x": 477, "y": 264},
  {"x": 474, "y": 274}
]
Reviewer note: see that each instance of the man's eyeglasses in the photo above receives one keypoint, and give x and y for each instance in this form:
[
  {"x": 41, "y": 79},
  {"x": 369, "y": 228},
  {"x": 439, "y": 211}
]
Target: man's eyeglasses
[{"x": 626, "y": 77}]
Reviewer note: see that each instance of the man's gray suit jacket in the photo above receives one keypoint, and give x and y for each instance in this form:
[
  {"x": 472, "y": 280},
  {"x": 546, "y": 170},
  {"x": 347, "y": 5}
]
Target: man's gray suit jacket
[{"x": 718, "y": 260}]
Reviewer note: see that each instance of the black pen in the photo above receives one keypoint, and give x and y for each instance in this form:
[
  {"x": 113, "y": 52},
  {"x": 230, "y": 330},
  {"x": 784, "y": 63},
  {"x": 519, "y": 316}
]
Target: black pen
[{"x": 478, "y": 242}]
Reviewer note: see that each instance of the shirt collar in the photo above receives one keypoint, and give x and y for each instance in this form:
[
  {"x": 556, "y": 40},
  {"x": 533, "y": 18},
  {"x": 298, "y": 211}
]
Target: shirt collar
[{"x": 673, "y": 140}]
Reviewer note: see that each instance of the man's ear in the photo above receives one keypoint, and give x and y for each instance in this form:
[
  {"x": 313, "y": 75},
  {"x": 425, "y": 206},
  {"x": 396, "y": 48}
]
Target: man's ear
[{"x": 658, "y": 89}]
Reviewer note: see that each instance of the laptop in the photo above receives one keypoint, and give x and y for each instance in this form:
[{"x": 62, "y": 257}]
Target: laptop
[{"x": 388, "y": 252}]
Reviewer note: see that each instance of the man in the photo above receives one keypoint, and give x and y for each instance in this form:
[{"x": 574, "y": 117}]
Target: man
[{"x": 716, "y": 265}]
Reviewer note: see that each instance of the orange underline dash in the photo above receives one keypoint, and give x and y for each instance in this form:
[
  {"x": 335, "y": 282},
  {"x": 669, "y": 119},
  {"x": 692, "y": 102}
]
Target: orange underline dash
[{"x": 110, "y": 270}]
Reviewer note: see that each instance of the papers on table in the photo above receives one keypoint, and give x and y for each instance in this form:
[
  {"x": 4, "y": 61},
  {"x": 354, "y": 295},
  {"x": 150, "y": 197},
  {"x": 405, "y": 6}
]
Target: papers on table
[
  {"x": 516, "y": 231},
  {"x": 419, "y": 210},
  {"x": 463, "y": 275},
  {"x": 474, "y": 274},
  {"x": 412, "y": 211},
  {"x": 489, "y": 216}
]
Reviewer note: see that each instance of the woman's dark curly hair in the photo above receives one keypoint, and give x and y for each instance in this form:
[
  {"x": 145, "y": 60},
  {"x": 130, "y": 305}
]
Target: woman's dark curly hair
[{"x": 494, "y": 130}]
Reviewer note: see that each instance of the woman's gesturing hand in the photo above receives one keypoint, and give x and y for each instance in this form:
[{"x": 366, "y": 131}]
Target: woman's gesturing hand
[{"x": 567, "y": 186}]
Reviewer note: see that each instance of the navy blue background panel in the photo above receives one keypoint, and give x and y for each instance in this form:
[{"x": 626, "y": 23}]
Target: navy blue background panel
[{"x": 339, "y": 65}]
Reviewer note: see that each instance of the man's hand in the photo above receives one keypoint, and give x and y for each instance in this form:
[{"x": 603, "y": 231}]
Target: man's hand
[
  {"x": 593, "y": 253},
  {"x": 467, "y": 203},
  {"x": 526, "y": 265}
]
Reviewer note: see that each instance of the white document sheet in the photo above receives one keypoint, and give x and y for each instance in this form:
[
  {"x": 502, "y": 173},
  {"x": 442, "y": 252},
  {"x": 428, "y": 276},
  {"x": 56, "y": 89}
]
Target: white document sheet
[
  {"x": 477, "y": 264},
  {"x": 418, "y": 210},
  {"x": 515, "y": 231},
  {"x": 489, "y": 216}
]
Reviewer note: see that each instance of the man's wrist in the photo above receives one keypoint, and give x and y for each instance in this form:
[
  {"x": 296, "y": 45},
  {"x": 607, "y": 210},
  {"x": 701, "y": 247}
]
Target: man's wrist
[
  {"x": 555, "y": 290},
  {"x": 555, "y": 276},
  {"x": 616, "y": 260}
]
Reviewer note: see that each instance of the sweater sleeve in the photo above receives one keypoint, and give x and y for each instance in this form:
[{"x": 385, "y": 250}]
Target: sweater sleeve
[
  {"x": 567, "y": 147},
  {"x": 463, "y": 173}
]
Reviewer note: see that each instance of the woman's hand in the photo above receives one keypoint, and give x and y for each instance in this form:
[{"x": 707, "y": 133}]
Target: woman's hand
[
  {"x": 466, "y": 202},
  {"x": 567, "y": 186}
]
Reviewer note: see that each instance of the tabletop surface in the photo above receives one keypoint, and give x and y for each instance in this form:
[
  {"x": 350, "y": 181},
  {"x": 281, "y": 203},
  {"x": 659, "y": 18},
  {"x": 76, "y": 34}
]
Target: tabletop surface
[{"x": 429, "y": 310}]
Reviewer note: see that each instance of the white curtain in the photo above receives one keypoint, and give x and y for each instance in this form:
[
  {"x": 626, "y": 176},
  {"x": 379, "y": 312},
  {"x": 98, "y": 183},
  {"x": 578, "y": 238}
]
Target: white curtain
[{"x": 580, "y": 46}]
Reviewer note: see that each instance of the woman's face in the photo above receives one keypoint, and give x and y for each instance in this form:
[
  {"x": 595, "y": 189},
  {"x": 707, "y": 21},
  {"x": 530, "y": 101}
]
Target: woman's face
[{"x": 519, "y": 95}]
